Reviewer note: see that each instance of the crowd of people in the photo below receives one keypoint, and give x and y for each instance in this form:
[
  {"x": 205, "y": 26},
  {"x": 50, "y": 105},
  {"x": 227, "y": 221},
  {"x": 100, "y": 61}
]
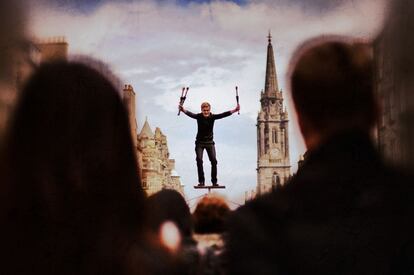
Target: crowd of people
[{"x": 72, "y": 201}]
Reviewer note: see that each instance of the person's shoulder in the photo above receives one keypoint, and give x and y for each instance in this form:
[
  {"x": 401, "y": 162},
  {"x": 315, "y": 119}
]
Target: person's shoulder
[
  {"x": 401, "y": 184},
  {"x": 255, "y": 228},
  {"x": 272, "y": 205}
]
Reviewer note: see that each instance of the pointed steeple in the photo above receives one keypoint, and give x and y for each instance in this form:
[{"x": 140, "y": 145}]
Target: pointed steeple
[
  {"x": 272, "y": 132},
  {"x": 146, "y": 130},
  {"x": 271, "y": 86}
]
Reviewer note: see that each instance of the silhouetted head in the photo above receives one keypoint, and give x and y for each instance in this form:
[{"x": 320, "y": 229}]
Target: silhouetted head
[
  {"x": 210, "y": 215},
  {"x": 331, "y": 81},
  {"x": 72, "y": 169},
  {"x": 169, "y": 205},
  {"x": 205, "y": 109}
]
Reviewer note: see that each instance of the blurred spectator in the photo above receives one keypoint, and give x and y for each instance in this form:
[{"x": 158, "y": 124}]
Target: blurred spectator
[
  {"x": 101, "y": 67},
  {"x": 345, "y": 211},
  {"x": 209, "y": 221},
  {"x": 210, "y": 215},
  {"x": 169, "y": 212},
  {"x": 74, "y": 202}
]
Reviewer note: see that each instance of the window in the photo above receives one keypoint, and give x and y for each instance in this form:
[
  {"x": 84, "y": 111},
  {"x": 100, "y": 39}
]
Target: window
[
  {"x": 275, "y": 138},
  {"x": 275, "y": 181}
]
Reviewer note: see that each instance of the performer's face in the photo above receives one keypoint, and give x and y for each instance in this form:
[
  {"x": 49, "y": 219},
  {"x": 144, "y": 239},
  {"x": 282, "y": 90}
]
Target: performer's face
[{"x": 206, "y": 111}]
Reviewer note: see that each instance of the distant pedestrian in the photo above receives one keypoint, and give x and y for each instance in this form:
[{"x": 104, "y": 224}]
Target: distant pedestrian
[
  {"x": 169, "y": 206},
  {"x": 210, "y": 217}
]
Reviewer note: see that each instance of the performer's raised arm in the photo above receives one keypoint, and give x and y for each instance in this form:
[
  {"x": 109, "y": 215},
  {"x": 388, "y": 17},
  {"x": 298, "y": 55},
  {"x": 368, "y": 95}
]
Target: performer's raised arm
[
  {"x": 228, "y": 113},
  {"x": 188, "y": 113}
]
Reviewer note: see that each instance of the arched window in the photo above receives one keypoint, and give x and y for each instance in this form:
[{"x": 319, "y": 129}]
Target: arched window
[
  {"x": 276, "y": 181},
  {"x": 274, "y": 136}
]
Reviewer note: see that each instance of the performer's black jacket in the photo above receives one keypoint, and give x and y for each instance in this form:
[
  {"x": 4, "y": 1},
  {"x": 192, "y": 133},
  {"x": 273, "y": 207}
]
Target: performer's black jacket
[
  {"x": 344, "y": 212},
  {"x": 205, "y": 125}
]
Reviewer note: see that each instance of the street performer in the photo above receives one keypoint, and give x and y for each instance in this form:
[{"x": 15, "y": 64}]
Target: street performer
[{"x": 204, "y": 139}]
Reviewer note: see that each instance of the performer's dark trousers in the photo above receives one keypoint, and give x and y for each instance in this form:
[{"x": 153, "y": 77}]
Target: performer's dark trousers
[{"x": 211, "y": 152}]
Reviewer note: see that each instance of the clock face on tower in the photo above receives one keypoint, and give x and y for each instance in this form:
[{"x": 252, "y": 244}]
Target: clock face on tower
[{"x": 274, "y": 153}]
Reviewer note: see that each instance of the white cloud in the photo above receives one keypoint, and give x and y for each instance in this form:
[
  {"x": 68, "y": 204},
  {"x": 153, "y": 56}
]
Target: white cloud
[{"x": 159, "y": 48}]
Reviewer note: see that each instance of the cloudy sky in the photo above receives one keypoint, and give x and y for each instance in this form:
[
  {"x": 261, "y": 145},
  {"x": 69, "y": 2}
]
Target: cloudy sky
[{"x": 159, "y": 46}]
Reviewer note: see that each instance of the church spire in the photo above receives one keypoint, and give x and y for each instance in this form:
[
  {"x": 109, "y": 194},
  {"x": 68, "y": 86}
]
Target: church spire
[
  {"x": 271, "y": 86},
  {"x": 273, "y": 163}
]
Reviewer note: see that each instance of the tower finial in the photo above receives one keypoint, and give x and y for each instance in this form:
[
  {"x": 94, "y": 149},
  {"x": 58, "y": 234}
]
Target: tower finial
[{"x": 271, "y": 86}]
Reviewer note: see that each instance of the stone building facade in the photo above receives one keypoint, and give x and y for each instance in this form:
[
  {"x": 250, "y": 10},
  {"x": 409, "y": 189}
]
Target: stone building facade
[
  {"x": 273, "y": 162},
  {"x": 53, "y": 49},
  {"x": 394, "y": 85},
  {"x": 25, "y": 59},
  {"x": 157, "y": 170}
]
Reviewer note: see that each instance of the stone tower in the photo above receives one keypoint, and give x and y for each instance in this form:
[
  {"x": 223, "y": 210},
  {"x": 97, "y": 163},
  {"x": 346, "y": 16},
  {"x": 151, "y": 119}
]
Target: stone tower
[
  {"x": 129, "y": 102},
  {"x": 273, "y": 163},
  {"x": 158, "y": 170}
]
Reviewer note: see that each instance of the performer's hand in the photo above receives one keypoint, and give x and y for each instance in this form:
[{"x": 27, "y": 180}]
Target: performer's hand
[
  {"x": 236, "y": 109},
  {"x": 181, "y": 108}
]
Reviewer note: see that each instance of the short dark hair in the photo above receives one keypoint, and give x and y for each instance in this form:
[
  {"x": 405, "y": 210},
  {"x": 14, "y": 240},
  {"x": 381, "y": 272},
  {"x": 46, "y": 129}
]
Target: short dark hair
[
  {"x": 332, "y": 84},
  {"x": 169, "y": 205},
  {"x": 210, "y": 215},
  {"x": 80, "y": 187},
  {"x": 205, "y": 104}
]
